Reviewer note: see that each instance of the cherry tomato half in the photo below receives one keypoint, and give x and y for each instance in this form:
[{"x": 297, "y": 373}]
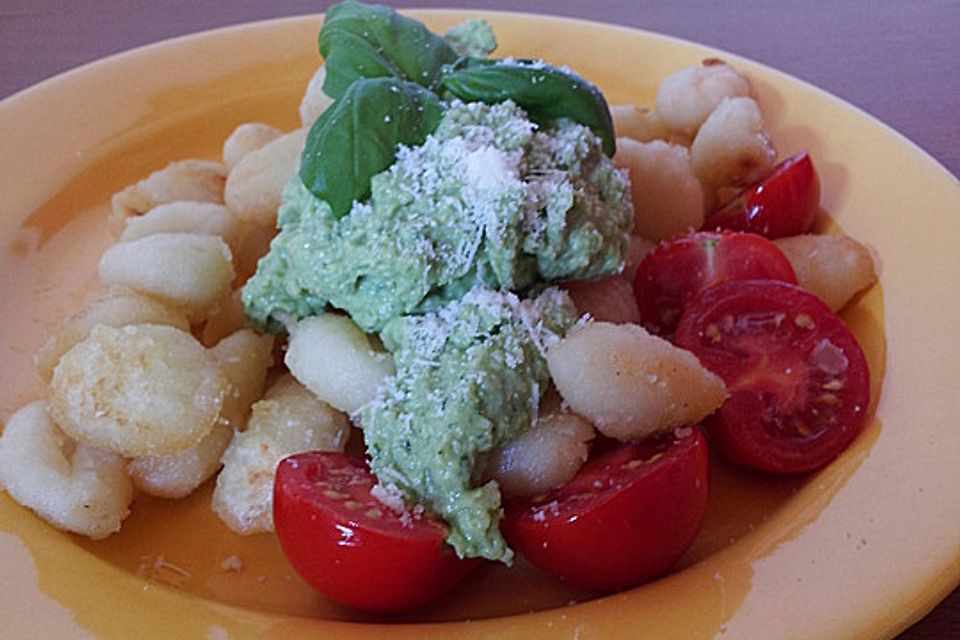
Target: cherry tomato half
[
  {"x": 625, "y": 518},
  {"x": 676, "y": 271},
  {"x": 798, "y": 381},
  {"x": 349, "y": 546},
  {"x": 783, "y": 204}
]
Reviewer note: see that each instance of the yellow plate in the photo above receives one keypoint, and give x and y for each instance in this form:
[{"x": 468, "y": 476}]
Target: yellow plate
[{"x": 858, "y": 551}]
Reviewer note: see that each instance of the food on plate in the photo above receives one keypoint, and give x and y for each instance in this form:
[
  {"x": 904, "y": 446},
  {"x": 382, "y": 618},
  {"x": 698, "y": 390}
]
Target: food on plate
[
  {"x": 686, "y": 98},
  {"x": 834, "y": 268},
  {"x": 322, "y": 498},
  {"x": 288, "y": 420},
  {"x": 798, "y": 381},
  {"x": 254, "y": 184},
  {"x": 514, "y": 295},
  {"x": 542, "y": 458},
  {"x": 116, "y": 308},
  {"x": 138, "y": 390},
  {"x": 784, "y": 203},
  {"x": 487, "y": 200},
  {"x": 674, "y": 272},
  {"x": 334, "y": 359},
  {"x": 247, "y": 137},
  {"x": 72, "y": 485},
  {"x": 731, "y": 150},
  {"x": 627, "y": 517},
  {"x": 188, "y": 271},
  {"x": 469, "y": 377},
  {"x": 667, "y": 196},
  {"x": 182, "y": 181},
  {"x": 631, "y": 384}
]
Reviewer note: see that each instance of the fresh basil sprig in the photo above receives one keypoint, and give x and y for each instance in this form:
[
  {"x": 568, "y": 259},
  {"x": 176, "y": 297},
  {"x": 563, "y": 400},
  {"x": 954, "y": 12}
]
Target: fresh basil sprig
[
  {"x": 545, "y": 92},
  {"x": 361, "y": 40},
  {"x": 357, "y": 137}
]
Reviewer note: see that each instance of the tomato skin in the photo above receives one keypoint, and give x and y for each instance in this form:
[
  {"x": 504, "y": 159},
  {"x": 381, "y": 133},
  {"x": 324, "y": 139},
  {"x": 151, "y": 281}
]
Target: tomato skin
[
  {"x": 676, "y": 271},
  {"x": 798, "y": 380},
  {"x": 783, "y": 204},
  {"x": 618, "y": 522},
  {"x": 374, "y": 564}
]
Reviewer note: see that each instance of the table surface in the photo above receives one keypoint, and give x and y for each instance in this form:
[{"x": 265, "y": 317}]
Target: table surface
[{"x": 896, "y": 60}]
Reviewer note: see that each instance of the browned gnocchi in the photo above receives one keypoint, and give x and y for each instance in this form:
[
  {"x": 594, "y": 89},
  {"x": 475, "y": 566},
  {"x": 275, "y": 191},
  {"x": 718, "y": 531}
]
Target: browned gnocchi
[
  {"x": 631, "y": 384},
  {"x": 139, "y": 390}
]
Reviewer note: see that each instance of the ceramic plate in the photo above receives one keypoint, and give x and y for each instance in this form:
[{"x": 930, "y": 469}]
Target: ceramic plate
[{"x": 857, "y": 551}]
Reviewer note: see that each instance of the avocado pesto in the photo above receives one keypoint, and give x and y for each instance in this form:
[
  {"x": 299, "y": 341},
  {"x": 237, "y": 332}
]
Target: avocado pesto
[
  {"x": 489, "y": 199},
  {"x": 469, "y": 377},
  {"x": 440, "y": 223}
]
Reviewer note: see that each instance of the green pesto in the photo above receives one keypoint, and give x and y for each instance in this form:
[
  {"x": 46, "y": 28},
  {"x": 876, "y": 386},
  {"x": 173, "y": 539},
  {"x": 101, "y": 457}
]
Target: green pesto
[
  {"x": 488, "y": 200},
  {"x": 469, "y": 377},
  {"x": 472, "y": 38}
]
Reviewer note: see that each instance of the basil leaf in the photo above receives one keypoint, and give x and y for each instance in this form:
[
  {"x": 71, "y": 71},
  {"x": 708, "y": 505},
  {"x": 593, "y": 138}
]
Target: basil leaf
[
  {"x": 357, "y": 137},
  {"x": 360, "y": 40},
  {"x": 545, "y": 92}
]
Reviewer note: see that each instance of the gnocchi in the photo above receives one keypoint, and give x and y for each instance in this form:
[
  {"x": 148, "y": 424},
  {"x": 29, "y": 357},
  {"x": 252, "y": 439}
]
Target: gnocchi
[
  {"x": 118, "y": 307},
  {"x": 188, "y": 271},
  {"x": 631, "y": 384},
  {"x": 72, "y": 486},
  {"x": 332, "y": 357},
  {"x": 543, "y": 458},
  {"x": 244, "y": 357},
  {"x": 203, "y": 218},
  {"x": 314, "y": 101},
  {"x": 255, "y": 183},
  {"x": 834, "y": 268},
  {"x": 246, "y": 138},
  {"x": 139, "y": 390},
  {"x": 687, "y": 97},
  {"x": 186, "y": 180},
  {"x": 288, "y": 420},
  {"x": 667, "y": 196},
  {"x": 178, "y": 475},
  {"x": 731, "y": 150}
]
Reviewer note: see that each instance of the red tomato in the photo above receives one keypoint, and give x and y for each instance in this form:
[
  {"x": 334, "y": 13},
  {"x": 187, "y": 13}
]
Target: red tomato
[
  {"x": 676, "y": 271},
  {"x": 349, "y": 546},
  {"x": 783, "y": 204},
  {"x": 798, "y": 381},
  {"x": 625, "y": 518}
]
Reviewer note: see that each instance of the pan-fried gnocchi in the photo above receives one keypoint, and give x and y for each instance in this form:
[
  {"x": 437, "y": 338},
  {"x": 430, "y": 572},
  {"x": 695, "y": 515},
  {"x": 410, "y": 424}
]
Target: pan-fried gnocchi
[
  {"x": 189, "y": 271},
  {"x": 139, "y": 390},
  {"x": 834, "y": 268},
  {"x": 178, "y": 475},
  {"x": 72, "y": 486},
  {"x": 186, "y": 180},
  {"x": 667, "y": 197},
  {"x": 687, "y": 97},
  {"x": 247, "y": 137},
  {"x": 543, "y": 458},
  {"x": 315, "y": 101},
  {"x": 288, "y": 420},
  {"x": 202, "y": 218},
  {"x": 631, "y": 384},
  {"x": 254, "y": 185},
  {"x": 332, "y": 356},
  {"x": 244, "y": 357},
  {"x": 116, "y": 308},
  {"x": 731, "y": 150}
]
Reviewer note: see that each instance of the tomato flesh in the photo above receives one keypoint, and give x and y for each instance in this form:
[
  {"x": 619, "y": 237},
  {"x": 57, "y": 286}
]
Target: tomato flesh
[
  {"x": 783, "y": 204},
  {"x": 676, "y": 271},
  {"x": 625, "y": 518},
  {"x": 798, "y": 381},
  {"x": 349, "y": 546}
]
